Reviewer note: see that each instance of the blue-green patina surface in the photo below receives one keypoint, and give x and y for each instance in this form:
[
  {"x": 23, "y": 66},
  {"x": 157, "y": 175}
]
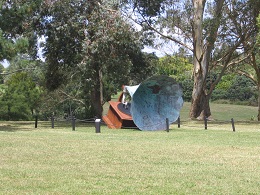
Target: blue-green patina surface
[{"x": 156, "y": 99}]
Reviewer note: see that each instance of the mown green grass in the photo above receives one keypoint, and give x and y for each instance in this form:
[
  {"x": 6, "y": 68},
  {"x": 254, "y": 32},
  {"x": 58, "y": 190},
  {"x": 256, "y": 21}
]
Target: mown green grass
[
  {"x": 189, "y": 160},
  {"x": 224, "y": 112},
  {"x": 220, "y": 112}
]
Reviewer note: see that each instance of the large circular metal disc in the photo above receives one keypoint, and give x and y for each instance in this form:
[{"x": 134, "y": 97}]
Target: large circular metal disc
[{"x": 156, "y": 99}]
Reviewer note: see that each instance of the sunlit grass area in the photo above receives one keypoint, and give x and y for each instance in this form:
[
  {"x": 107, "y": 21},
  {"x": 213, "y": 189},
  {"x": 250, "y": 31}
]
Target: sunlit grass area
[
  {"x": 220, "y": 112},
  {"x": 224, "y": 112},
  {"x": 187, "y": 160}
]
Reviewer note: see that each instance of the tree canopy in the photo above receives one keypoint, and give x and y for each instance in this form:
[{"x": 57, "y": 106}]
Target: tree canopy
[
  {"x": 213, "y": 31},
  {"x": 90, "y": 42},
  {"x": 91, "y": 48},
  {"x": 17, "y": 19}
]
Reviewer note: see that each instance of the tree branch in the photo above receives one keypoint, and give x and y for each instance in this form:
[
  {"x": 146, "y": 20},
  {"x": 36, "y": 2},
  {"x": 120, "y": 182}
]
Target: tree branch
[
  {"x": 248, "y": 75},
  {"x": 160, "y": 33},
  {"x": 71, "y": 97}
]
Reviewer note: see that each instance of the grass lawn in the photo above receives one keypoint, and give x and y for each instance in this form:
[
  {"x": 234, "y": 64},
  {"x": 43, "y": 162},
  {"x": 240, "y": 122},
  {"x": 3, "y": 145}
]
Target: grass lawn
[
  {"x": 224, "y": 112},
  {"x": 188, "y": 160},
  {"x": 220, "y": 112}
]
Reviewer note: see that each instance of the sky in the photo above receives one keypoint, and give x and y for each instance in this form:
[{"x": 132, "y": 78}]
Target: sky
[
  {"x": 158, "y": 53},
  {"x": 5, "y": 63}
]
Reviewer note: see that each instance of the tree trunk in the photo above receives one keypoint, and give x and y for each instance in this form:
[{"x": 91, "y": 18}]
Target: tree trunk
[
  {"x": 201, "y": 55},
  {"x": 96, "y": 103},
  {"x": 200, "y": 100},
  {"x": 9, "y": 112},
  {"x": 97, "y": 92},
  {"x": 200, "y": 107},
  {"x": 101, "y": 87}
]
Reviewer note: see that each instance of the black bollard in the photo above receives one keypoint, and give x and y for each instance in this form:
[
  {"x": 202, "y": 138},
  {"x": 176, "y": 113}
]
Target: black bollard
[
  {"x": 206, "y": 123},
  {"x": 179, "y": 122},
  {"x": 167, "y": 125},
  {"x": 52, "y": 121},
  {"x": 97, "y": 125},
  {"x": 73, "y": 122},
  {"x": 233, "y": 125},
  {"x": 36, "y": 121}
]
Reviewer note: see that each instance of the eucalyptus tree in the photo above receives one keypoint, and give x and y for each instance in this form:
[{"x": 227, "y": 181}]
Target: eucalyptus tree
[
  {"x": 90, "y": 44},
  {"x": 206, "y": 30},
  {"x": 251, "y": 66},
  {"x": 242, "y": 17}
]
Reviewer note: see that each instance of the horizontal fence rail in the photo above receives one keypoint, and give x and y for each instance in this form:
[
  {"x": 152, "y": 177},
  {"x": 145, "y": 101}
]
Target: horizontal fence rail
[{"x": 205, "y": 124}]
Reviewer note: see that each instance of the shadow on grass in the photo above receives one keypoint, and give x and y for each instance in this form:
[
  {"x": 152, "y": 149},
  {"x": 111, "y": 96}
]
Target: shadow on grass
[
  {"x": 7, "y": 128},
  {"x": 15, "y": 126}
]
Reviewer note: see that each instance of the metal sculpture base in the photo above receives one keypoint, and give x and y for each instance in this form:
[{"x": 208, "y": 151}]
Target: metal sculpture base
[{"x": 118, "y": 116}]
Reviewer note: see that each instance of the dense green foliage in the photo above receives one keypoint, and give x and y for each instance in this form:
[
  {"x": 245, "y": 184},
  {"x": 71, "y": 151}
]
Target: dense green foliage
[
  {"x": 20, "y": 99},
  {"x": 91, "y": 49},
  {"x": 219, "y": 35},
  {"x": 17, "y": 19},
  {"x": 179, "y": 68},
  {"x": 232, "y": 88},
  {"x": 1, "y": 72},
  {"x": 258, "y": 24},
  {"x": 236, "y": 89}
]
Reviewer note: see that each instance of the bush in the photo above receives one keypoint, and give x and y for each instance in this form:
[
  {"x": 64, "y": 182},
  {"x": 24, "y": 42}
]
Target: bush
[
  {"x": 187, "y": 87},
  {"x": 219, "y": 94},
  {"x": 242, "y": 89}
]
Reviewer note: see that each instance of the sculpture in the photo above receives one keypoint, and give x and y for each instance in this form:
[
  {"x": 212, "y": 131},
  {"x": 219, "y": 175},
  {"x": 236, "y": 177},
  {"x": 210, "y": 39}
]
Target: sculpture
[
  {"x": 154, "y": 100},
  {"x": 128, "y": 90}
]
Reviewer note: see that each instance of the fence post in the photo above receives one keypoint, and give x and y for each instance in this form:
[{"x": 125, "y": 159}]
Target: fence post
[
  {"x": 167, "y": 125},
  {"x": 206, "y": 123},
  {"x": 97, "y": 125},
  {"x": 52, "y": 121},
  {"x": 73, "y": 122},
  {"x": 233, "y": 125},
  {"x": 179, "y": 122},
  {"x": 36, "y": 121}
]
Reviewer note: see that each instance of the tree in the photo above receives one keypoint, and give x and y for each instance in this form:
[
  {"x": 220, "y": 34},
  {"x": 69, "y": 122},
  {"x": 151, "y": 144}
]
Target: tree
[
  {"x": 9, "y": 48},
  {"x": 20, "y": 99},
  {"x": 247, "y": 27},
  {"x": 174, "y": 66},
  {"x": 242, "y": 89},
  {"x": 22, "y": 88},
  {"x": 178, "y": 67},
  {"x": 88, "y": 42},
  {"x": 221, "y": 90},
  {"x": 16, "y": 21},
  {"x": 143, "y": 66},
  {"x": 1, "y": 72},
  {"x": 207, "y": 30},
  {"x": 24, "y": 63}
]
